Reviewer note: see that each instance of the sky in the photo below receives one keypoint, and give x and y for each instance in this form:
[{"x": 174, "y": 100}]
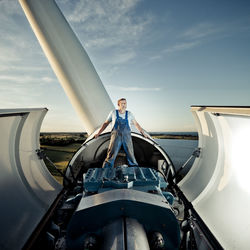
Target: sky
[{"x": 161, "y": 55}]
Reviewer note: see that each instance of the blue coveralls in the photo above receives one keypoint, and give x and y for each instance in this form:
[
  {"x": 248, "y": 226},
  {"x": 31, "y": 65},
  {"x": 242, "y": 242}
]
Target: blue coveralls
[{"x": 120, "y": 135}]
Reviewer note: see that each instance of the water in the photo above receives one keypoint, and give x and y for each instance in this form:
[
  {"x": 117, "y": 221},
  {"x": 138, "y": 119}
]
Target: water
[{"x": 179, "y": 151}]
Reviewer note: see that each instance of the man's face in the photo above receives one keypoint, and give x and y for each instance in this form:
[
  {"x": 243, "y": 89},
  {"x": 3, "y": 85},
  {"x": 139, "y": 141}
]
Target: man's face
[{"x": 123, "y": 104}]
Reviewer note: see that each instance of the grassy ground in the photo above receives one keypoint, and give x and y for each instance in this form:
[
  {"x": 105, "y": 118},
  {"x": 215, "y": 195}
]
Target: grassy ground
[
  {"x": 71, "y": 148},
  {"x": 60, "y": 156}
]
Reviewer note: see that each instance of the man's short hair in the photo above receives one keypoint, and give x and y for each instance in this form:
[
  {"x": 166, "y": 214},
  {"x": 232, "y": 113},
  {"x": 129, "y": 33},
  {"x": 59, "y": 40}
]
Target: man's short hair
[{"x": 122, "y": 99}]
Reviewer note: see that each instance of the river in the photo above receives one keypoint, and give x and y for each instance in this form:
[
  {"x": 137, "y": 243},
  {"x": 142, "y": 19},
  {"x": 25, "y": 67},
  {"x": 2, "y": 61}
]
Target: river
[{"x": 179, "y": 151}]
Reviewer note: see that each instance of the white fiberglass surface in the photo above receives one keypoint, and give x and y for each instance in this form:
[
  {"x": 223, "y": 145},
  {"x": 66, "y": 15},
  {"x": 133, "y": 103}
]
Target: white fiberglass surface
[
  {"x": 27, "y": 189},
  {"x": 222, "y": 198},
  {"x": 69, "y": 61}
]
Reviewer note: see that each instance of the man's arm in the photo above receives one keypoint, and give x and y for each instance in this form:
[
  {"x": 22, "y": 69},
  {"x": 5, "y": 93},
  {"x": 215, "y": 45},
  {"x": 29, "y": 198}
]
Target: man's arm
[
  {"x": 139, "y": 128},
  {"x": 104, "y": 125}
]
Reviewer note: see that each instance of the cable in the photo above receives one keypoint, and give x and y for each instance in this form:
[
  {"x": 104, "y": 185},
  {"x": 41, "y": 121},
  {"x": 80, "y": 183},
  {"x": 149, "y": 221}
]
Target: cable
[
  {"x": 196, "y": 153},
  {"x": 41, "y": 154}
]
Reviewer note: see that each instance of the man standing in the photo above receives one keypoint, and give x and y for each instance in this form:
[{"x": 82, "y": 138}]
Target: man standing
[{"x": 120, "y": 134}]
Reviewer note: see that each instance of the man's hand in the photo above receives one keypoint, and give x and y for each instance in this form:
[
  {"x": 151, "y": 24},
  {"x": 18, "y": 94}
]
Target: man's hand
[
  {"x": 144, "y": 134},
  {"x": 140, "y": 129},
  {"x": 104, "y": 125}
]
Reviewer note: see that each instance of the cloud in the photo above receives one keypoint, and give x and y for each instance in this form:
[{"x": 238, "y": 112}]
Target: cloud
[
  {"x": 23, "y": 68},
  {"x": 182, "y": 46},
  {"x": 139, "y": 89},
  {"x": 201, "y": 31},
  {"x": 133, "y": 89},
  {"x": 27, "y": 91},
  {"x": 24, "y": 90},
  {"x": 16, "y": 39},
  {"x": 25, "y": 79},
  {"x": 10, "y": 7},
  {"x": 8, "y": 55},
  {"x": 48, "y": 79},
  {"x": 109, "y": 27},
  {"x": 177, "y": 47},
  {"x": 121, "y": 57},
  {"x": 19, "y": 95},
  {"x": 193, "y": 36}
]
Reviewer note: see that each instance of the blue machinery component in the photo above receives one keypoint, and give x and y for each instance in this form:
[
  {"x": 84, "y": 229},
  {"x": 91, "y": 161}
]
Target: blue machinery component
[
  {"x": 124, "y": 208},
  {"x": 142, "y": 179}
]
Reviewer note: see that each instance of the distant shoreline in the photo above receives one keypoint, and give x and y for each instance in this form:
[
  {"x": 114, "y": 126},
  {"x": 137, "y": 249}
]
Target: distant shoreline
[
  {"x": 151, "y": 133},
  {"x": 176, "y": 137},
  {"x": 82, "y": 136}
]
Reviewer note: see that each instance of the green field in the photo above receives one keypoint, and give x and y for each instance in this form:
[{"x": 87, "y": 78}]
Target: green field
[{"x": 60, "y": 156}]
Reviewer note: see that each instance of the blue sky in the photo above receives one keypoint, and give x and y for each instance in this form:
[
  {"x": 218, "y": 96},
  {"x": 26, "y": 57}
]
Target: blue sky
[{"x": 162, "y": 55}]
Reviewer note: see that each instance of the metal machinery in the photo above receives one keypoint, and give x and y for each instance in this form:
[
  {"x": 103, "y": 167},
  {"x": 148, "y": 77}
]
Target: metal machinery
[
  {"x": 134, "y": 200},
  {"x": 115, "y": 208},
  {"x": 124, "y": 207}
]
